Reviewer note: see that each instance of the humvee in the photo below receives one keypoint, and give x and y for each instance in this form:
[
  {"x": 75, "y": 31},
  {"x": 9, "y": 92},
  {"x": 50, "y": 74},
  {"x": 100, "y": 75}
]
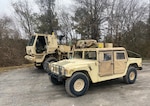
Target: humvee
[
  {"x": 92, "y": 65},
  {"x": 44, "y": 48}
]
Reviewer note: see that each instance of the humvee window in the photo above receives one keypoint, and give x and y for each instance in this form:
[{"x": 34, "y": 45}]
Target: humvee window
[
  {"x": 107, "y": 56},
  {"x": 90, "y": 55},
  {"x": 78, "y": 54},
  {"x": 120, "y": 56}
]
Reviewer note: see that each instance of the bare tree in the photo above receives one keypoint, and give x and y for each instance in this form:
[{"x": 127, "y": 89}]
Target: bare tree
[
  {"x": 123, "y": 15},
  {"x": 8, "y": 28},
  {"x": 25, "y": 16},
  {"x": 66, "y": 25},
  {"x": 89, "y": 16}
]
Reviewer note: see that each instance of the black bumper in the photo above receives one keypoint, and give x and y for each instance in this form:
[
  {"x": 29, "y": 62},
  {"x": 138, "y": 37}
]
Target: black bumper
[
  {"x": 58, "y": 77},
  {"x": 139, "y": 68}
]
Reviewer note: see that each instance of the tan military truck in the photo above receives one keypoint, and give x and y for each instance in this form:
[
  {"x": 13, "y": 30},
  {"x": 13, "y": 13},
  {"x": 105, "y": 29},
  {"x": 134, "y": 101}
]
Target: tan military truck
[
  {"x": 92, "y": 65},
  {"x": 43, "y": 48}
]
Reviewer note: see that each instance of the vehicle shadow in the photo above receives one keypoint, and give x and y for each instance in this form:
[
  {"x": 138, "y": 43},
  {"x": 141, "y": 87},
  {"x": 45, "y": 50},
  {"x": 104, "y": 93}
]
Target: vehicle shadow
[
  {"x": 102, "y": 86},
  {"x": 35, "y": 70}
]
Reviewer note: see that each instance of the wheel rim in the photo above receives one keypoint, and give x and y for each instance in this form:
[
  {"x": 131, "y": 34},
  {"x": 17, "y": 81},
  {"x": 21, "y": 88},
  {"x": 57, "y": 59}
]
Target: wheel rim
[
  {"x": 79, "y": 85},
  {"x": 132, "y": 76}
]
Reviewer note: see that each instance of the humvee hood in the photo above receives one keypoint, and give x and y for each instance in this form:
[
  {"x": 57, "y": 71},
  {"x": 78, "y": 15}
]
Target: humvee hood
[{"x": 74, "y": 62}]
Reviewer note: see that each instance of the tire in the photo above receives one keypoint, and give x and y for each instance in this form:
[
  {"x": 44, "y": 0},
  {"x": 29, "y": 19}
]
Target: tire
[
  {"x": 130, "y": 76},
  {"x": 48, "y": 60},
  {"x": 77, "y": 85},
  {"x": 54, "y": 80}
]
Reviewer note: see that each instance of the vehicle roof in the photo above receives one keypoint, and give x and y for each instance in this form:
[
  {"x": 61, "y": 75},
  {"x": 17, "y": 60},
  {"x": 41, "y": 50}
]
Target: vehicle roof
[
  {"x": 101, "y": 49},
  {"x": 38, "y": 34}
]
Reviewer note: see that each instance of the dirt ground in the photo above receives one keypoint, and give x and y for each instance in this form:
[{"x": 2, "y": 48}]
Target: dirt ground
[{"x": 31, "y": 87}]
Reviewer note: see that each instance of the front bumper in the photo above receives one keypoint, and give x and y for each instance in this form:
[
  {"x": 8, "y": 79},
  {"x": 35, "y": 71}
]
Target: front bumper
[
  {"x": 30, "y": 58},
  {"x": 139, "y": 68},
  {"x": 58, "y": 77}
]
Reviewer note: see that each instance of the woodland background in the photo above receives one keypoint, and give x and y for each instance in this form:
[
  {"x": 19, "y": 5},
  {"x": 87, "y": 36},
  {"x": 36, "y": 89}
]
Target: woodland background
[{"x": 123, "y": 22}]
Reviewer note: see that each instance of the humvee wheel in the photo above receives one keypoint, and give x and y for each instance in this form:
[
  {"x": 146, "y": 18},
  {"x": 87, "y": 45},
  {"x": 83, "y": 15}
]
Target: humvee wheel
[
  {"x": 54, "y": 80},
  {"x": 77, "y": 85},
  {"x": 48, "y": 60},
  {"x": 131, "y": 75}
]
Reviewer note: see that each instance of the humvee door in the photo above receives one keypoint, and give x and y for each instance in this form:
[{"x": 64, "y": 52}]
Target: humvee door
[
  {"x": 106, "y": 63},
  {"x": 120, "y": 61}
]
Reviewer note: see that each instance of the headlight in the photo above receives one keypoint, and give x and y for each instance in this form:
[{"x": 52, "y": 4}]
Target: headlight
[
  {"x": 63, "y": 71},
  {"x": 52, "y": 67},
  {"x": 57, "y": 69}
]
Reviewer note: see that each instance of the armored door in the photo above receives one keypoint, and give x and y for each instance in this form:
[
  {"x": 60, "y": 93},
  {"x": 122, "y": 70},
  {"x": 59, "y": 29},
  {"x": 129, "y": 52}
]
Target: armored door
[{"x": 106, "y": 63}]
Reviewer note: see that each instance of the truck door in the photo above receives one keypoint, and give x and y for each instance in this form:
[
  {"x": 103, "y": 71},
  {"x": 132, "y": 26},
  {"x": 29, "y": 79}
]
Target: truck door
[
  {"x": 106, "y": 63},
  {"x": 40, "y": 44},
  {"x": 51, "y": 44},
  {"x": 120, "y": 61}
]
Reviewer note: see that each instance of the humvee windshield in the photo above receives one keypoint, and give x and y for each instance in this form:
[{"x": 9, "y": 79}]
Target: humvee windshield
[
  {"x": 31, "y": 41},
  {"x": 90, "y": 55},
  {"x": 78, "y": 54},
  {"x": 87, "y": 55}
]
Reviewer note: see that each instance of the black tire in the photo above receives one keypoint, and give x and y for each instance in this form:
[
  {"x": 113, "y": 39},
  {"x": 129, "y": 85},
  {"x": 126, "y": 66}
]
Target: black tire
[
  {"x": 48, "y": 60},
  {"x": 130, "y": 76},
  {"x": 54, "y": 80},
  {"x": 72, "y": 82}
]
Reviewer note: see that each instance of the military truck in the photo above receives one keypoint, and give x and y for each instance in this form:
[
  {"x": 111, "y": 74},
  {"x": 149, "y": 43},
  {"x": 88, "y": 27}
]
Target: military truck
[
  {"x": 92, "y": 65},
  {"x": 43, "y": 48}
]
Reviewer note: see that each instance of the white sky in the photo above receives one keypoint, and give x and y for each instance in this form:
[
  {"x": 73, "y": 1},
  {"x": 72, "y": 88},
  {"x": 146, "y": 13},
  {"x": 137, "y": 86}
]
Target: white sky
[{"x": 6, "y": 8}]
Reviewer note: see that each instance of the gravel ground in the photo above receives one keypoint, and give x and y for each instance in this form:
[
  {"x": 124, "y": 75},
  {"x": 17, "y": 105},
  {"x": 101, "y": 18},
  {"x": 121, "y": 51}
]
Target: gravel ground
[{"x": 31, "y": 87}]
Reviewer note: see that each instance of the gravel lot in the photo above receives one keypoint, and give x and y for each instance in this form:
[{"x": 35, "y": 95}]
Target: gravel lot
[{"x": 31, "y": 87}]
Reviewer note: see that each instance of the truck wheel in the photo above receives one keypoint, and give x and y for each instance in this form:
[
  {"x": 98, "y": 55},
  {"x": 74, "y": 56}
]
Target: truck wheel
[
  {"x": 54, "y": 80},
  {"x": 130, "y": 76},
  {"x": 48, "y": 60},
  {"x": 77, "y": 85}
]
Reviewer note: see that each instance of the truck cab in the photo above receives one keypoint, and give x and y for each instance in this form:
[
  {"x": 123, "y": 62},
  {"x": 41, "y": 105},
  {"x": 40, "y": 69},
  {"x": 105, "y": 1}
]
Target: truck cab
[
  {"x": 43, "y": 48},
  {"x": 94, "y": 65}
]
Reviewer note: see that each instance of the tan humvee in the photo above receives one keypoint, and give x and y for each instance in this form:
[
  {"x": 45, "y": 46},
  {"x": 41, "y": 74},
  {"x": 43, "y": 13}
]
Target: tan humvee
[
  {"x": 94, "y": 65},
  {"x": 43, "y": 49}
]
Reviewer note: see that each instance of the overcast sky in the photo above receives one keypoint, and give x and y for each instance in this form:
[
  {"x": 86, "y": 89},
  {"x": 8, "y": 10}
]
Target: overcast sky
[{"x": 6, "y": 8}]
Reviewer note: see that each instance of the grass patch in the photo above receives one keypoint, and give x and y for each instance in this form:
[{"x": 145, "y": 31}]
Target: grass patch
[{"x": 2, "y": 69}]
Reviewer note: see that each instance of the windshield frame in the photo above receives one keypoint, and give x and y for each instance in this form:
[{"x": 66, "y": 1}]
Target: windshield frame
[{"x": 31, "y": 41}]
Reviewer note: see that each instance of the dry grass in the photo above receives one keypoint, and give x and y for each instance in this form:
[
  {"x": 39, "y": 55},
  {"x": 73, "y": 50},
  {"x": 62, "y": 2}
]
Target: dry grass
[
  {"x": 3, "y": 69},
  {"x": 12, "y": 52}
]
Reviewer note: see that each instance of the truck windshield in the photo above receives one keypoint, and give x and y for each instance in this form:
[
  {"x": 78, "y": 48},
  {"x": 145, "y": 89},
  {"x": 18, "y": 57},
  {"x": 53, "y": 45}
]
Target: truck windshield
[
  {"x": 31, "y": 41},
  {"x": 78, "y": 54}
]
